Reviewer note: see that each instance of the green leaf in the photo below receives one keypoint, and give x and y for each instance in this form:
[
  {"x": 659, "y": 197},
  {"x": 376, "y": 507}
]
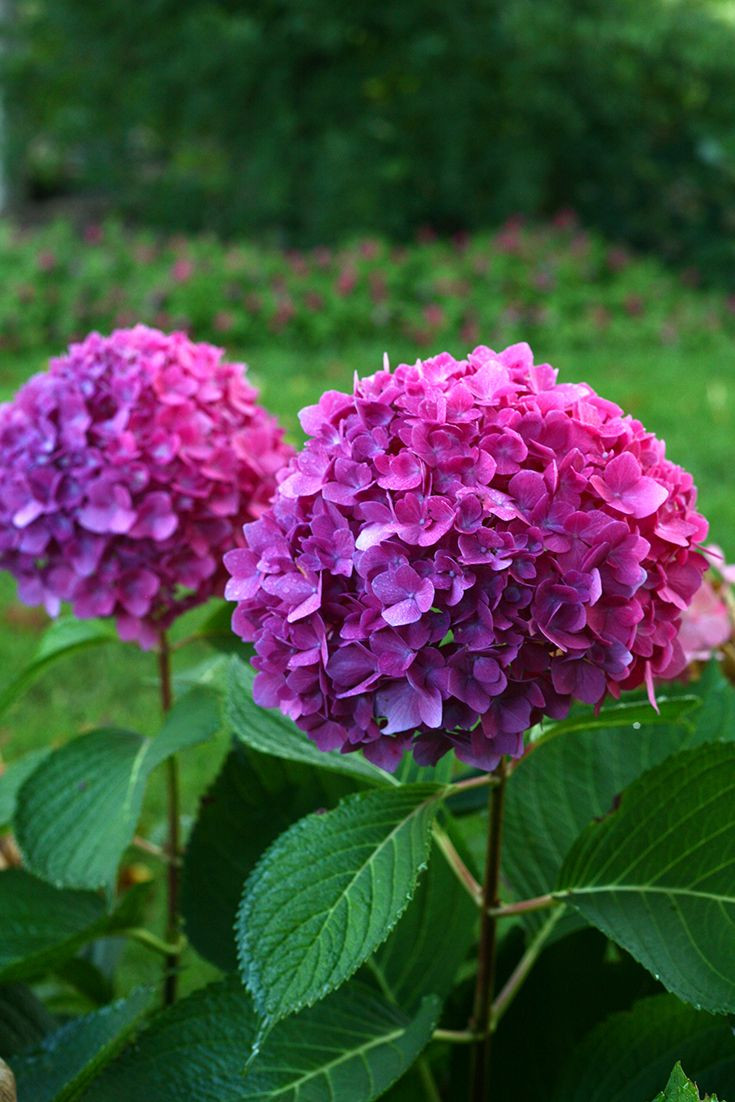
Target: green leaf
[
  {"x": 64, "y": 636},
  {"x": 681, "y": 1089},
  {"x": 626, "y": 714},
  {"x": 715, "y": 717},
  {"x": 627, "y": 1057},
  {"x": 658, "y": 874},
  {"x": 577, "y": 982},
  {"x": 42, "y": 924},
  {"x": 216, "y": 629},
  {"x": 269, "y": 732},
  {"x": 350, "y": 1047},
  {"x": 78, "y": 810},
  {"x": 569, "y": 780},
  {"x": 88, "y": 981},
  {"x": 328, "y": 892},
  {"x": 193, "y": 719},
  {"x": 410, "y": 772},
  {"x": 408, "y": 966},
  {"x": 24, "y": 1020},
  {"x": 67, "y": 1060},
  {"x": 12, "y": 778},
  {"x": 254, "y": 798}
]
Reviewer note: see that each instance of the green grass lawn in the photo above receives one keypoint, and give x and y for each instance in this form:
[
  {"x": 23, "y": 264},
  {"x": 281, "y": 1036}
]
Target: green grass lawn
[{"x": 685, "y": 393}]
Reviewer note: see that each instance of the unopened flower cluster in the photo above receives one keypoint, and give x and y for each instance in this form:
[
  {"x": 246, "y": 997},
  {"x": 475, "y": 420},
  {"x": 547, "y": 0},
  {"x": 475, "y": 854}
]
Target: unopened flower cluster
[
  {"x": 463, "y": 547},
  {"x": 128, "y": 468}
]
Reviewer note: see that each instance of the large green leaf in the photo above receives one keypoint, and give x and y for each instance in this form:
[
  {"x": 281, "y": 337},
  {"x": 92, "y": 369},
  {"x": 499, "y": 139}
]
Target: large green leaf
[
  {"x": 627, "y": 714},
  {"x": 194, "y": 718},
  {"x": 68, "y": 1059},
  {"x": 350, "y": 1047},
  {"x": 577, "y": 982},
  {"x": 715, "y": 716},
  {"x": 575, "y": 777},
  {"x": 78, "y": 810},
  {"x": 13, "y": 777},
  {"x": 410, "y": 965},
  {"x": 269, "y": 732},
  {"x": 24, "y": 1020},
  {"x": 328, "y": 892},
  {"x": 216, "y": 629},
  {"x": 658, "y": 874},
  {"x": 254, "y": 798},
  {"x": 681, "y": 1089},
  {"x": 65, "y": 635},
  {"x": 627, "y": 1057},
  {"x": 42, "y": 925}
]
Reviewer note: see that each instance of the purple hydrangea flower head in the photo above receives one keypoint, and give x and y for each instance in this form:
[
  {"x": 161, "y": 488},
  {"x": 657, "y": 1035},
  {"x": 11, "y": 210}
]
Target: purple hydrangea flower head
[
  {"x": 128, "y": 468},
  {"x": 464, "y": 547}
]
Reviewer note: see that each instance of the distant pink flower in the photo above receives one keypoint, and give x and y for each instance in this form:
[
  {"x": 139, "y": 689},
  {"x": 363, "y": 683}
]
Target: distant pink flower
[
  {"x": 565, "y": 219},
  {"x": 705, "y": 624},
  {"x": 434, "y": 315},
  {"x": 346, "y": 281},
  {"x": 223, "y": 321},
  {"x": 182, "y": 270},
  {"x": 93, "y": 233},
  {"x": 462, "y": 548},
  {"x": 128, "y": 468},
  {"x": 314, "y": 301},
  {"x": 369, "y": 249},
  {"x": 285, "y": 311}
]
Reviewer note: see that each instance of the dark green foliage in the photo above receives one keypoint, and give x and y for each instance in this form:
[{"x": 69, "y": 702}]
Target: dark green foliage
[
  {"x": 78, "y": 810},
  {"x": 681, "y": 1089},
  {"x": 58, "y": 1068},
  {"x": 657, "y": 874},
  {"x": 328, "y": 892},
  {"x": 63, "y": 636},
  {"x": 24, "y": 1020},
  {"x": 269, "y": 732},
  {"x": 312, "y": 120},
  {"x": 423, "y": 954},
  {"x": 43, "y": 926},
  {"x": 625, "y": 1058},
  {"x": 351, "y": 1046},
  {"x": 575, "y": 985},
  {"x": 254, "y": 799},
  {"x": 575, "y": 776}
]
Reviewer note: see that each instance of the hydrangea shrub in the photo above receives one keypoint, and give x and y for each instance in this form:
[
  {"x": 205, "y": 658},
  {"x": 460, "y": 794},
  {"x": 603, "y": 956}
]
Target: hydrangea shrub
[
  {"x": 464, "y": 547},
  {"x": 128, "y": 468}
]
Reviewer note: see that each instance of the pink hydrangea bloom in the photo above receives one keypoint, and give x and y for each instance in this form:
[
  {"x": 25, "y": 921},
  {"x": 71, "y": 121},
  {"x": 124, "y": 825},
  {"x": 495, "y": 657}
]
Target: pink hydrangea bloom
[
  {"x": 707, "y": 623},
  {"x": 128, "y": 468},
  {"x": 464, "y": 547}
]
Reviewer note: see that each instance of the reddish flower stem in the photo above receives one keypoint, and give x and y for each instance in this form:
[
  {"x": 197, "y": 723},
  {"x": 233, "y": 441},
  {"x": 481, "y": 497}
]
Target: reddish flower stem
[
  {"x": 523, "y": 906},
  {"x": 480, "y": 1021},
  {"x": 171, "y": 963},
  {"x": 458, "y": 866}
]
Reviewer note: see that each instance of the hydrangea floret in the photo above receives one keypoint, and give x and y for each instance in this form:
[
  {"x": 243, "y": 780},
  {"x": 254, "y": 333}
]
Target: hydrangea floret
[
  {"x": 462, "y": 548},
  {"x": 128, "y": 468}
]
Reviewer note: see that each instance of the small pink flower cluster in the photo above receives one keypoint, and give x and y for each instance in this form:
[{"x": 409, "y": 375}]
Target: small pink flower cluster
[
  {"x": 463, "y": 547},
  {"x": 128, "y": 468},
  {"x": 709, "y": 621}
]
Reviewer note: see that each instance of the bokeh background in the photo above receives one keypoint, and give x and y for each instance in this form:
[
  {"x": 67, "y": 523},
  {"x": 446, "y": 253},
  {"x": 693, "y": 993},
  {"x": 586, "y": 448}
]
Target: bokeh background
[{"x": 312, "y": 184}]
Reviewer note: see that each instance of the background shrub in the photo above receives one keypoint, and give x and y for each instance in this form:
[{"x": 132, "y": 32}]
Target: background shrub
[{"x": 306, "y": 121}]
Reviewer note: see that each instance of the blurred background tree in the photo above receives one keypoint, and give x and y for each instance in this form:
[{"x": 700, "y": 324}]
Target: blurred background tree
[{"x": 302, "y": 121}]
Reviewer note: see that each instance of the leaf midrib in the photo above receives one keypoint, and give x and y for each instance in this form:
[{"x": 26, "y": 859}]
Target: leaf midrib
[
  {"x": 359, "y": 872},
  {"x": 643, "y": 889},
  {"x": 324, "y": 1069}
]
